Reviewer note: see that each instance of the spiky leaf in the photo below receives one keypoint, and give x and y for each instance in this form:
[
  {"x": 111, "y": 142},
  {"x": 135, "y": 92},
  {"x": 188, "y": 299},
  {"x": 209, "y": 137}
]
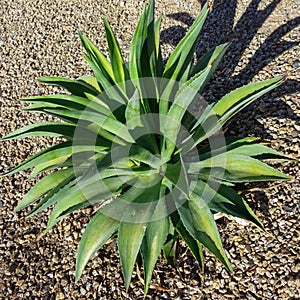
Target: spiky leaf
[{"x": 100, "y": 229}]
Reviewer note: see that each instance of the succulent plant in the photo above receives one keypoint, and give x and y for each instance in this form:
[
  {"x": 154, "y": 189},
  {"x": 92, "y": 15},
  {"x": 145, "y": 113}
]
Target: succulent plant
[{"x": 132, "y": 144}]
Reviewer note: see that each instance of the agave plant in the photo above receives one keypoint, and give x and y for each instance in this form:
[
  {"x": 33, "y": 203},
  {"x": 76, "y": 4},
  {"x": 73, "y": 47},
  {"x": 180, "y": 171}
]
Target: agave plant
[{"x": 133, "y": 146}]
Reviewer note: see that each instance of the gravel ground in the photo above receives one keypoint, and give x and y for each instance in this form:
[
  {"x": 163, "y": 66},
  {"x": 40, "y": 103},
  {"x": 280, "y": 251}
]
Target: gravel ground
[{"x": 38, "y": 38}]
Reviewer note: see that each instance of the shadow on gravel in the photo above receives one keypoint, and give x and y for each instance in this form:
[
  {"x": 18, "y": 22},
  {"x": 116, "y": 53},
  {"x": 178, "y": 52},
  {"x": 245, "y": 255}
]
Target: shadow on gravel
[{"x": 219, "y": 28}]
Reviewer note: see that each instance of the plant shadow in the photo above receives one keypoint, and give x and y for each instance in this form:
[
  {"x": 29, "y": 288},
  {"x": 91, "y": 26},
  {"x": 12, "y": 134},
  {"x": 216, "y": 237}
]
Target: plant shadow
[{"x": 220, "y": 27}]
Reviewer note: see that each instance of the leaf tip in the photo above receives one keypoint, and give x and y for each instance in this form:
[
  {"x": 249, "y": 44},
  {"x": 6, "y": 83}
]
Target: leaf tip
[
  {"x": 127, "y": 284},
  {"x": 78, "y": 271},
  {"x": 6, "y": 137},
  {"x": 229, "y": 268},
  {"x": 48, "y": 228},
  {"x": 40, "y": 79},
  {"x": 18, "y": 207}
]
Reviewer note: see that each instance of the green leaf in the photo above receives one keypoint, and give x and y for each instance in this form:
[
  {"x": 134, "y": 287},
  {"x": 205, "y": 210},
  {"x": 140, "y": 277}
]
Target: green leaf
[
  {"x": 99, "y": 230},
  {"x": 199, "y": 222},
  {"x": 135, "y": 53},
  {"x": 118, "y": 65},
  {"x": 159, "y": 60},
  {"x": 179, "y": 108},
  {"x": 177, "y": 174},
  {"x": 54, "y": 195},
  {"x": 130, "y": 237},
  {"x": 101, "y": 122},
  {"x": 238, "y": 99},
  {"x": 178, "y": 65},
  {"x": 194, "y": 245},
  {"x": 58, "y": 156},
  {"x": 236, "y": 168},
  {"x": 213, "y": 57},
  {"x": 126, "y": 171},
  {"x": 154, "y": 239},
  {"x": 53, "y": 156},
  {"x": 93, "y": 192},
  {"x": 111, "y": 90},
  {"x": 73, "y": 102},
  {"x": 142, "y": 155},
  {"x": 169, "y": 248},
  {"x": 245, "y": 146},
  {"x": 133, "y": 111},
  {"x": 153, "y": 242},
  {"x": 31, "y": 161},
  {"x": 76, "y": 87},
  {"x": 134, "y": 223},
  {"x": 219, "y": 144},
  {"x": 126, "y": 157},
  {"x": 228, "y": 106},
  {"x": 45, "y": 185},
  {"x": 99, "y": 60},
  {"x": 259, "y": 151},
  {"x": 142, "y": 60},
  {"x": 54, "y": 129},
  {"x": 151, "y": 43},
  {"x": 226, "y": 200},
  {"x": 41, "y": 106},
  {"x": 49, "y": 164},
  {"x": 91, "y": 80},
  {"x": 200, "y": 130}
]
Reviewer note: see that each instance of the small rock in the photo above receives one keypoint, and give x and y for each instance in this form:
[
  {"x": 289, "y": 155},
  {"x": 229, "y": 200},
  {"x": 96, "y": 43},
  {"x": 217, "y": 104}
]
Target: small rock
[
  {"x": 179, "y": 284},
  {"x": 60, "y": 296},
  {"x": 225, "y": 274},
  {"x": 260, "y": 271},
  {"x": 296, "y": 63},
  {"x": 296, "y": 268},
  {"x": 287, "y": 208}
]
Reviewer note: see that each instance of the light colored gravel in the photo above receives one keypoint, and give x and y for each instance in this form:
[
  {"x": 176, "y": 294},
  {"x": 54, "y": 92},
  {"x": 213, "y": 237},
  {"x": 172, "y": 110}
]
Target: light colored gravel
[{"x": 38, "y": 38}]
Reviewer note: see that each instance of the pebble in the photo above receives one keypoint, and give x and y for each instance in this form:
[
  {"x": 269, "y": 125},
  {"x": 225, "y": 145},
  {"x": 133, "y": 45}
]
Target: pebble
[
  {"x": 60, "y": 296},
  {"x": 260, "y": 271},
  {"x": 296, "y": 64},
  {"x": 295, "y": 133}
]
